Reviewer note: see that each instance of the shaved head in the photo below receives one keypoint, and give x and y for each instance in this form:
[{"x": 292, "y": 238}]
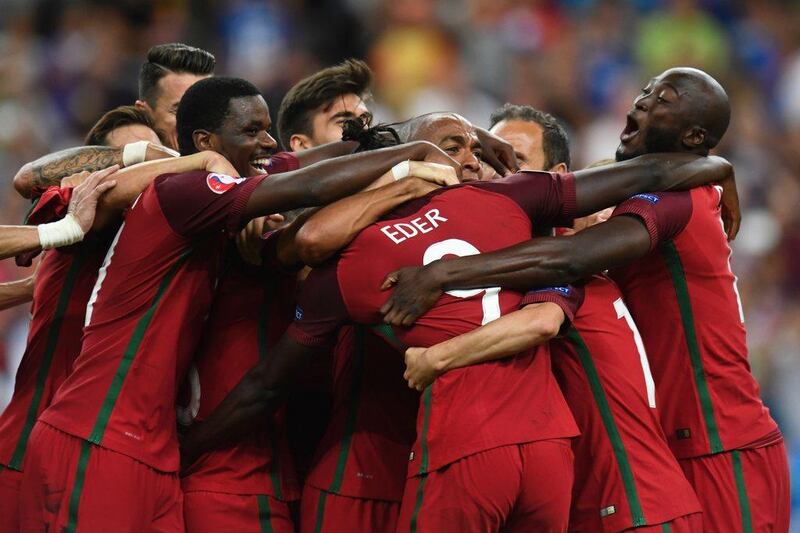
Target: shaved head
[
  {"x": 680, "y": 110},
  {"x": 708, "y": 106}
]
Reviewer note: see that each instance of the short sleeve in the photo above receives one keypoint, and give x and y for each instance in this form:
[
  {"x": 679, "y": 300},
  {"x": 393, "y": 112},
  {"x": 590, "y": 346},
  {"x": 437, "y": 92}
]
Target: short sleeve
[
  {"x": 548, "y": 198},
  {"x": 198, "y": 202},
  {"x": 664, "y": 214},
  {"x": 321, "y": 310},
  {"x": 568, "y": 297},
  {"x": 282, "y": 162}
]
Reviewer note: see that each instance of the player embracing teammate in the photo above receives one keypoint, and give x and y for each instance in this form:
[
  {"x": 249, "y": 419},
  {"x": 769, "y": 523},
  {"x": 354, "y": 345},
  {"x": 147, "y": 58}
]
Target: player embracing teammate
[{"x": 492, "y": 335}]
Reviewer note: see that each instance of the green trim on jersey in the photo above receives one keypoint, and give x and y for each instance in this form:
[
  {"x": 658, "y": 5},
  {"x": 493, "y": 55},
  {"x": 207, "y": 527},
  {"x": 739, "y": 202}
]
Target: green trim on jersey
[
  {"x": 417, "y": 504},
  {"x": 270, "y": 287},
  {"x": 427, "y": 399},
  {"x": 34, "y": 203},
  {"x": 264, "y": 514},
  {"x": 51, "y": 343},
  {"x": 320, "y": 511},
  {"x": 77, "y": 488},
  {"x": 352, "y": 409},
  {"x": 673, "y": 261},
  {"x": 620, "y": 454},
  {"x": 666, "y": 528},
  {"x": 741, "y": 491},
  {"x": 114, "y": 390}
]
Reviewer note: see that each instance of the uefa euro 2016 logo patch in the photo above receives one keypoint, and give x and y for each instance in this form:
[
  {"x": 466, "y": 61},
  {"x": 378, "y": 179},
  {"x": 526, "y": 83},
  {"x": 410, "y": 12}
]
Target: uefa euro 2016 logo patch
[{"x": 220, "y": 183}]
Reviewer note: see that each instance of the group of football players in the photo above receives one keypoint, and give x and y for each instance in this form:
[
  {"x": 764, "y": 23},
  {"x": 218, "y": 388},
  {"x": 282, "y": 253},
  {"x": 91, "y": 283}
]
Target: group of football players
[{"x": 420, "y": 326}]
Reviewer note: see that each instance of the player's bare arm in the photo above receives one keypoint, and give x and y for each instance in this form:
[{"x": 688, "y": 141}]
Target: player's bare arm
[
  {"x": 535, "y": 263},
  {"x": 509, "y": 335},
  {"x": 52, "y": 168},
  {"x": 600, "y": 187},
  {"x": 259, "y": 393},
  {"x": 327, "y": 181},
  {"x": 135, "y": 179},
  {"x": 334, "y": 226},
  {"x": 15, "y": 240},
  {"x": 14, "y": 293}
]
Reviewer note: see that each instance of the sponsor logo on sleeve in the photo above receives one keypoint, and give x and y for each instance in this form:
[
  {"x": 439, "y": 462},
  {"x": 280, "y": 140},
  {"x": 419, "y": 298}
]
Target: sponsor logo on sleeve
[
  {"x": 566, "y": 291},
  {"x": 220, "y": 183},
  {"x": 652, "y": 198}
]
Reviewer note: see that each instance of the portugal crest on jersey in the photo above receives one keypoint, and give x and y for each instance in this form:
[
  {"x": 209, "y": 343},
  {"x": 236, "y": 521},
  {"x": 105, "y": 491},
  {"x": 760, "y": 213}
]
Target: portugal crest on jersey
[{"x": 220, "y": 183}]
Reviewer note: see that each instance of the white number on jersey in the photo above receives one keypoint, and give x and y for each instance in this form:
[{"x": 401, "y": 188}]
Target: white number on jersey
[{"x": 622, "y": 312}]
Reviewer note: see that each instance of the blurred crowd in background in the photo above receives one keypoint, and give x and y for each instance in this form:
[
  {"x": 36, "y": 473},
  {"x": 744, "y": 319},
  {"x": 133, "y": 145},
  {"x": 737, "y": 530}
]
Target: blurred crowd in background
[{"x": 64, "y": 63}]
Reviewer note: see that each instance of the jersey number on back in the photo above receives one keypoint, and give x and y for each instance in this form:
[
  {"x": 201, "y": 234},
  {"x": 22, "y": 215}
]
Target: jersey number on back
[
  {"x": 622, "y": 312},
  {"x": 491, "y": 297}
]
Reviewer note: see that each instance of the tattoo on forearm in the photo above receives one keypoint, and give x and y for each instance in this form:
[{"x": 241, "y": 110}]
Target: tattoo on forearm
[{"x": 52, "y": 168}]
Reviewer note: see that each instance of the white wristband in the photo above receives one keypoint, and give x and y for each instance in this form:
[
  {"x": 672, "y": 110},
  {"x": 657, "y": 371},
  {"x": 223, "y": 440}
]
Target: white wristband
[
  {"x": 401, "y": 170},
  {"x": 62, "y": 233},
  {"x": 133, "y": 153}
]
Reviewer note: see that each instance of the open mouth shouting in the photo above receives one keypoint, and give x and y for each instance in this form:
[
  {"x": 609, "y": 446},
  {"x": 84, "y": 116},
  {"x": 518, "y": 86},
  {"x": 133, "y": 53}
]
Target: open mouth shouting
[{"x": 631, "y": 129}]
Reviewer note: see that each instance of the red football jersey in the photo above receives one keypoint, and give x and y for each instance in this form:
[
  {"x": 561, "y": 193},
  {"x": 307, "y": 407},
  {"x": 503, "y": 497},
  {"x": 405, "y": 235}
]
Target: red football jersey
[
  {"x": 63, "y": 283},
  {"x": 145, "y": 316},
  {"x": 364, "y": 452},
  {"x": 625, "y": 473},
  {"x": 252, "y": 308},
  {"x": 683, "y": 296},
  {"x": 466, "y": 410}
]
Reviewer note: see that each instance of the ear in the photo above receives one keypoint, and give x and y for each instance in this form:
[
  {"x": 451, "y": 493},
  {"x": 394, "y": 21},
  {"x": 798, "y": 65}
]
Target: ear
[
  {"x": 205, "y": 140},
  {"x": 560, "y": 168},
  {"x": 299, "y": 142},
  {"x": 144, "y": 106},
  {"x": 695, "y": 137}
]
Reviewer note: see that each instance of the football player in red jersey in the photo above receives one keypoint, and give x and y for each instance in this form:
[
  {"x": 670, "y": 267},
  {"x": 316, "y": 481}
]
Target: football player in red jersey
[
  {"x": 248, "y": 486},
  {"x": 65, "y": 280},
  {"x": 114, "y": 415},
  {"x": 625, "y": 474},
  {"x": 357, "y": 478},
  {"x": 549, "y": 197},
  {"x": 727, "y": 444}
]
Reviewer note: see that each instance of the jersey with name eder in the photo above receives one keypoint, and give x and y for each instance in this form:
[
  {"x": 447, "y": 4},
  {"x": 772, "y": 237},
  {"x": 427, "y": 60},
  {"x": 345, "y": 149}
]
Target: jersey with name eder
[{"x": 470, "y": 409}]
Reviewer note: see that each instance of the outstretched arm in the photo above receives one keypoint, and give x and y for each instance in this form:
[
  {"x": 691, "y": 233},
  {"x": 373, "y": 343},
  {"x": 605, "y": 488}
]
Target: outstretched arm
[
  {"x": 330, "y": 180},
  {"x": 509, "y": 335},
  {"x": 15, "y": 240},
  {"x": 14, "y": 293},
  {"x": 260, "y": 392},
  {"x": 535, "y": 263},
  {"x": 52, "y": 168}
]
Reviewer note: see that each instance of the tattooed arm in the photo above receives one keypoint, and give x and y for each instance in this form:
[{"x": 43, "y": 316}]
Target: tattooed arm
[{"x": 51, "y": 168}]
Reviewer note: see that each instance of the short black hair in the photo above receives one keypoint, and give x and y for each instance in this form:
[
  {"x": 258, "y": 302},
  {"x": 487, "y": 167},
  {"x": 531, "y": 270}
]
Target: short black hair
[
  {"x": 205, "y": 105},
  {"x": 123, "y": 115},
  {"x": 171, "y": 57},
  {"x": 352, "y": 76},
  {"x": 555, "y": 142}
]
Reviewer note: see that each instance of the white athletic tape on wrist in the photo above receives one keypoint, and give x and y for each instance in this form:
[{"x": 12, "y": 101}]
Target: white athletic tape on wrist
[
  {"x": 134, "y": 153},
  {"x": 62, "y": 233},
  {"x": 401, "y": 170}
]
